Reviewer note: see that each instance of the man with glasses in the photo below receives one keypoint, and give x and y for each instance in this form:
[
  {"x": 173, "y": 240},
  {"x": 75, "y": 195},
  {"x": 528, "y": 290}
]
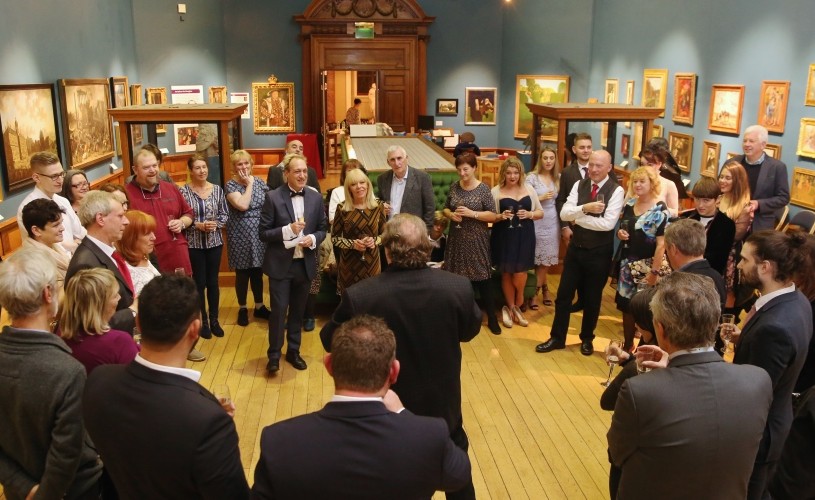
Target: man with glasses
[{"x": 48, "y": 175}]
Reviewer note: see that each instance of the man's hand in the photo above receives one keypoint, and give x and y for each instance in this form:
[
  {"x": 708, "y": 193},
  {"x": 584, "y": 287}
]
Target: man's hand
[
  {"x": 566, "y": 233},
  {"x": 594, "y": 207},
  {"x": 308, "y": 241},
  {"x": 651, "y": 356},
  {"x": 297, "y": 226},
  {"x": 387, "y": 207},
  {"x": 392, "y": 402}
]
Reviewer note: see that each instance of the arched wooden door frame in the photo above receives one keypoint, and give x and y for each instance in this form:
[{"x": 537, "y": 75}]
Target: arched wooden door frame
[{"x": 398, "y": 50}]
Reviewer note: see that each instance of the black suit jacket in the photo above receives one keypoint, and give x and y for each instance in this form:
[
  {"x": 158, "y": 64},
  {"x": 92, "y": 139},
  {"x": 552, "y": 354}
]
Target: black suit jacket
[
  {"x": 793, "y": 476},
  {"x": 89, "y": 256},
  {"x": 777, "y": 338},
  {"x": 720, "y": 235},
  {"x": 772, "y": 191},
  {"x": 162, "y": 435},
  {"x": 418, "y": 197},
  {"x": 430, "y": 311},
  {"x": 358, "y": 450},
  {"x": 274, "y": 178},
  {"x": 704, "y": 268},
  {"x": 568, "y": 177}
]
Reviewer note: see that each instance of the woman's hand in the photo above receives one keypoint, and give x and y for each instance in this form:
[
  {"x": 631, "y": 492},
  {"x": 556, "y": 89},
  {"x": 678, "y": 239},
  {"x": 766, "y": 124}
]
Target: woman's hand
[
  {"x": 369, "y": 242},
  {"x": 547, "y": 196},
  {"x": 621, "y": 354},
  {"x": 524, "y": 214},
  {"x": 507, "y": 214},
  {"x": 623, "y": 235},
  {"x": 455, "y": 216},
  {"x": 244, "y": 178},
  {"x": 359, "y": 245},
  {"x": 651, "y": 279}
]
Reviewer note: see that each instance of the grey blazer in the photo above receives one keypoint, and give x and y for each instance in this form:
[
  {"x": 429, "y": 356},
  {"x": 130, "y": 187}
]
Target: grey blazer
[{"x": 418, "y": 198}]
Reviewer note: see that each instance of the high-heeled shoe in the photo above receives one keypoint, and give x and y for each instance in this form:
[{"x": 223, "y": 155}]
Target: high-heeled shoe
[
  {"x": 506, "y": 317},
  {"x": 533, "y": 306},
  {"x": 547, "y": 301},
  {"x": 519, "y": 317}
]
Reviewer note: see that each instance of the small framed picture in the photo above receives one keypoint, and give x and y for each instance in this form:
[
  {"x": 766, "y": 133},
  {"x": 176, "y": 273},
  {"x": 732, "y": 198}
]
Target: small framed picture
[
  {"x": 654, "y": 88},
  {"x": 120, "y": 91},
  {"x": 656, "y": 131},
  {"x": 710, "y": 158},
  {"x": 773, "y": 150},
  {"x": 625, "y": 145},
  {"x": 681, "y": 147},
  {"x": 612, "y": 92},
  {"x": 809, "y": 97},
  {"x": 772, "y": 105},
  {"x": 806, "y": 138},
  {"x": 446, "y": 107},
  {"x": 803, "y": 187},
  {"x": 217, "y": 95},
  {"x": 684, "y": 98},
  {"x": 481, "y": 105},
  {"x": 136, "y": 97},
  {"x": 158, "y": 95},
  {"x": 725, "y": 108}
]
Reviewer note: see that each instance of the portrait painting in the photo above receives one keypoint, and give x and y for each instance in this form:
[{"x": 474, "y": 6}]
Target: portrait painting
[
  {"x": 806, "y": 138},
  {"x": 809, "y": 97},
  {"x": 612, "y": 91},
  {"x": 538, "y": 89},
  {"x": 684, "y": 98},
  {"x": 29, "y": 124},
  {"x": 802, "y": 188},
  {"x": 725, "y": 108},
  {"x": 446, "y": 107},
  {"x": 157, "y": 95},
  {"x": 681, "y": 147},
  {"x": 772, "y": 105},
  {"x": 710, "y": 158},
  {"x": 119, "y": 91},
  {"x": 217, "y": 95},
  {"x": 273, "y": 105},
  {"x": 185, "y": 135},
  {"x": 654, "y": 88},
  {"x": 87, "y": 128},
  {"x": 481, "y": 105}
]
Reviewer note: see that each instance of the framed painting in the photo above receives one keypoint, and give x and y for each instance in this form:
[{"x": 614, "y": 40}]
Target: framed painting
[
  {"x": 136, "y": 97},
  {"x": 538, "y": 89},
  {"x": 273, "y": 108},
  {"x": 157, "y": 95},
  {"x": 87, "y": 128},
  {"x": 656, "y": 131},
  {"x": 773, "y": 150},
  {"x": 481, "y": 105},
  {"x": 806, "y": 138},
  {"x": 809, "y": 97},
  {"x": 725, "y": 108},
  {"x": 217, "y": 95},
  {"x": 119, "y": 91},
  {"x": 710, "y": 158},
  {"x": 802, "y": 188},
  {"x": 446, "y": 107},
  {"x": 637, "y": 146},
  {"x": 625, "y": 145},
  {"x": 684, "y": 98},
  {"x": 612, "y": 91},
  {"x": 654, "y": 88},
  {"x": 629, "y": 97},
  {"x": 28, "y": 121},
  {"x": 185, "y": 135},
  {"x": 137, "y": 135},
  {"x": 681, "y": 147},
  {"x": 772, "y": 105}
]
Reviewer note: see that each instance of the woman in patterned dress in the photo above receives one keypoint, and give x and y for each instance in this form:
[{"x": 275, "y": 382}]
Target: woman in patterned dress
[
  {"x": 471, "y": 208},
  {"x": 545, "y": 181},
  {"x": 356, "y": 230},
  {"x": 245, "y": 194}
]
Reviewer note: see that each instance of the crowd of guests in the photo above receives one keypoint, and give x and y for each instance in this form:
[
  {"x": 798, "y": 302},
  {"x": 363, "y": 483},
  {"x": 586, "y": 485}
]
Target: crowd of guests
[{"x": 90, "y": 271}]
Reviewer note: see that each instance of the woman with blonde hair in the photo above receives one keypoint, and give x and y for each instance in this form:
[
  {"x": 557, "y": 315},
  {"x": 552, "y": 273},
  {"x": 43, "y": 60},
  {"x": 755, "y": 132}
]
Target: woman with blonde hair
[
  {"x": 356, "y": 231},
  {"x": 91, "y": 296},
  {"x": 735, "y": 203},
  {"x": 337, "y": 195},
  {"x": 513, "y": 236},
  {"x": 137, "y": 243},
  {"x": 545, "y": 181},
  {"x": 642, "y": 227}
]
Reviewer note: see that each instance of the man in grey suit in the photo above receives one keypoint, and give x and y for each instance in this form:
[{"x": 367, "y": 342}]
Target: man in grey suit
[
  {"x": 768, "y": 178},
  {"x": 369, "y": 445},
  {"x": 691, "y": 427},
  {"x": 293, "y": 224},
  {"x": 406, "y": 190}
]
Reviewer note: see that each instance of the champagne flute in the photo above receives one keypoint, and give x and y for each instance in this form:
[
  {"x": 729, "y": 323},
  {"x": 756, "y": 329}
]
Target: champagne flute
[
  {"x": 626, "y": 226},
  {"x": 511, "y": 217},
  {"x": 726, "y": 332},
  {"x": 169, "y": 220},
  {"x": 612, "y": 358},
  {"x": 458, "y": 224},
  {"x": 362, "y": 236}
]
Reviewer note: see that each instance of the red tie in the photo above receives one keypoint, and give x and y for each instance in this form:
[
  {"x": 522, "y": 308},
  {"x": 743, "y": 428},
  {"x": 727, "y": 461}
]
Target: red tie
[
  {"x": 122, "y": 265},
  {"x": 594, "y": 191}
]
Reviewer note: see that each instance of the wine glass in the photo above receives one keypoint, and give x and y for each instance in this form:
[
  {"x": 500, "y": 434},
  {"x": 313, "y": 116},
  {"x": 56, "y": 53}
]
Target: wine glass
[
  {"x": 512, "y": 216},
  {"x": 625, "y": 226},
  {"x": 612, "y": 358},
  {"x": 458, "y": 224},
  {"x": 221, "y": 393},
  {"x": 726, "y": 332},
  {"x": 600, "y": 198},
  {"x": 169, "y": 220},
  {"x": 362, "y": 236}
]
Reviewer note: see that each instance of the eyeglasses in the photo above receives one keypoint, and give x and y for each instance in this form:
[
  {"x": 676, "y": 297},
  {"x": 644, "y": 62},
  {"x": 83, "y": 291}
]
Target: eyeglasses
[
  {"x": 81, "y": 185},
  {"x": 54, "y": 177}
]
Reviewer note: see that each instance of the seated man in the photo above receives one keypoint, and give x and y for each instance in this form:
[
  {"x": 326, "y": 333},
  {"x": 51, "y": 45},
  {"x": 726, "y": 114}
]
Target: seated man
[
  {"x": 44, "y": 450},
  {"x": 690, "y": 429},
  {"x": 719, "y": 227},
  {"x": 160, "y": 433},
  {"x": 466, "y": 142},
  {"x": 368, "y": 445}
]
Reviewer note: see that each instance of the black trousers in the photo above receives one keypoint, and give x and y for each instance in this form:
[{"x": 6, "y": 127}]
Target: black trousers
[
  {"x": 584, "y": 269},
  {"x": 459, "y": 437},
  {"x": 288, "y": 294},
  {"x": 205, "y": 263},
  {"x": 242, "y": 279}
]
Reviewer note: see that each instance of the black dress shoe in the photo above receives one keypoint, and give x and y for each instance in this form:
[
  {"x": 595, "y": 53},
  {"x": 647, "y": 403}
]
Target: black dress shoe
[
  {"x": 216, "y": 328},
  {"x": 294, "y": 359},
  {"x": 492, "y": 324},
  {"x": 272, "y": 366},
  {"x": 262, "y": 312},
  {"x": 243, "y": 317},
  {"x": 576, "y": 307},
  {"x": 550, "y": 345},
  {"x": 586, "y": 348},
  {"x": 309, "y": 324},
  {"x": 204, "y": 332}
]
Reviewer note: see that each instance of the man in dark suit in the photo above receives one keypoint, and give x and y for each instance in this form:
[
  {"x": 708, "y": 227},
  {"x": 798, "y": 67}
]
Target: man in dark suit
[
  {"x": 768, "y": 178},
  {"x": 588, "y": 257},
  {"x": 690, "y": 427},
  {"x": 369, "y": 445},
  {"x": 571, "y": 175},
  {"x": 775, "y": 335},
  {"x": 685, "y": 242},
  {"x": 406, "y": 190},
  {"x": 104, "y": 219},
  {"x": 275, "y": 177},
  {"x": 160, "y": 433},
  {"x": 293, "y": 224},
  {"x": 430, "y": 311},
  {"x": 719, "y": 228},
  {"x": 793, "y": 476}
]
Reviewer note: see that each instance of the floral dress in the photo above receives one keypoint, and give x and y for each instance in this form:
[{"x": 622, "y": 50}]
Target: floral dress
[{"x": 642, "y": 243}]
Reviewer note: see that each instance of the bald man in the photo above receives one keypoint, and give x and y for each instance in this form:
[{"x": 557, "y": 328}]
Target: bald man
[{"x": 274, "y": 179}]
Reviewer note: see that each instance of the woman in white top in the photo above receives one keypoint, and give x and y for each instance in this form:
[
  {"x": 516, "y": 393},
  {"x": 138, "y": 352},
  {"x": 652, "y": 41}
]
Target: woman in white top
[
  {"x": 668, "y": 193},
  {"x": 42, "y": 220},
  {"x": 136, "y": 245}
]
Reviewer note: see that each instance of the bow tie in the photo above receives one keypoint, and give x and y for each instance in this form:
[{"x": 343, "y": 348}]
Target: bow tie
[{"x": 300, "y": 193}]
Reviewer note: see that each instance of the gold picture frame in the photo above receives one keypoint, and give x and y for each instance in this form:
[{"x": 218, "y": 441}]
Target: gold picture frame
[
  {"x": 711, "y": 151},
  {"x": 136, "y": 97},
  {"x": 611, "y": 95},
  {"x": 726, "y": 103},
  {"x": 806, "y": 138},
  {"x": 681, "y": 147},
  {"x": 119, "y": 92},
  {"x": 217, "y": 94},
  {"x": 809, "y": 96},
  {"x": 802, "y": 187},
  {"x": 772, "y": 105},
  {"x": 86, "y": 125},
  {"x": 157, "y": 95},
  {"x": 773, "y": 151},
  {"x": 654, "y": 88},
  {"x": 538, "y": 89},
  {"x": 684, "y": 98},
  {"x": 273, "y": 105}
]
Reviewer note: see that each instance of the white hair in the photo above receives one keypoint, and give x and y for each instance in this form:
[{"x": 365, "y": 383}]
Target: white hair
[
  {"x": 761, "y": 131},
  {"x": 95, "y": 202},
  {"x": 23, "y": 277},
  {"x": 394, "y": 148}
]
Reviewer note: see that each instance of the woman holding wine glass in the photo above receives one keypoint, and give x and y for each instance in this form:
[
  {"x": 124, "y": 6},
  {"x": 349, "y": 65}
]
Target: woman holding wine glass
[
  {"x": 513, "y": 236},
  {"x": 471, "y": 208},
  {"x": 641, "y": 230},
  {"x": 358, "y": 224},
  {"x": 545, "y": 181}
]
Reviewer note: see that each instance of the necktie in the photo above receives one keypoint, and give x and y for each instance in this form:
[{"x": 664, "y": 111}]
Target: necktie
[
  {"x": 298, "y": 193},
  {"x": 583, "y": 171},
  {"x": 594, "y": 189},
  {"x": 122, "y": 265}
]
